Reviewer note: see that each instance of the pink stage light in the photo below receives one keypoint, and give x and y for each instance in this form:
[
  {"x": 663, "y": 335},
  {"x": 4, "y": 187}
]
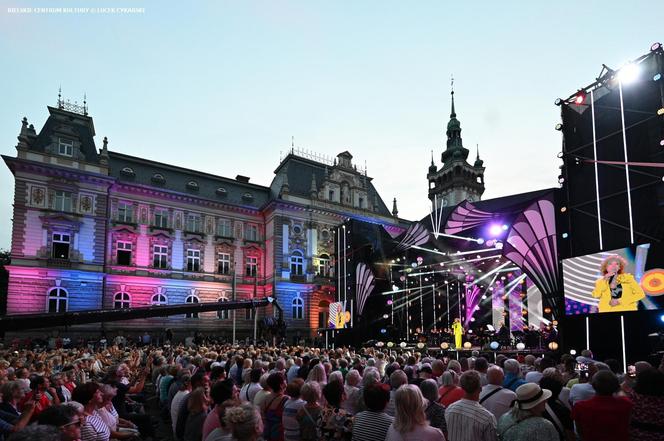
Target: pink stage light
[{"x": 495, "y": 230}]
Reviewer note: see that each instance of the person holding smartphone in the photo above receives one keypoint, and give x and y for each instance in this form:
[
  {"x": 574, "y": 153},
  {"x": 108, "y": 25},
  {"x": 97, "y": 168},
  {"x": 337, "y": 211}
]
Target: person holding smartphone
[{"x": 616, "y": 290}]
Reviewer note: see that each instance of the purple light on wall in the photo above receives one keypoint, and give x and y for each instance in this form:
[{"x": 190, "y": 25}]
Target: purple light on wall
[
  {"x": 516, "y": 308},
  {"x": 472, "y": 300}
]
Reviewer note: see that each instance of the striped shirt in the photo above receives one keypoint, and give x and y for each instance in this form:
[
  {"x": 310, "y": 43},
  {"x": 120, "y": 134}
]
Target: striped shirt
[
  {"x": 95, "y": 429},
  {"x": 467, "y": 420},
  {"x": 289, "y": 419},
  {"x": 371, "y": 426}
]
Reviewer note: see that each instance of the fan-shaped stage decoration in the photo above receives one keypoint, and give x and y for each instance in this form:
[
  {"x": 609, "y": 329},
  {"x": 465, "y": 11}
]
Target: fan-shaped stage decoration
[
  {"x": 652, "y": 282},
  {"x": 364, "y": 284},
  {"x": 464, "y": 217},
  {"x": 415, "y": 235},
  {"x": 531, "y": 245}
]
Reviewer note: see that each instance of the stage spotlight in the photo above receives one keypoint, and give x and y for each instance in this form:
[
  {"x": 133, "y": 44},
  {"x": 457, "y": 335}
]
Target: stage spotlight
[
  {"x": 420, "y": 345},
  {"x": 655, "y": 47},
  {"x": 560, "y": 155},
  {"x": 402, "y": 344},
  {"x": 389, "y": 302},
  {"x": 572, "y": 351},
  {"x": 565, "y": 235},
  {"x": 661, "y": 143},
  {"x": 553, "y": 346},
  {"x": 467, "y": 345},
  {"x": 580, "y": 98},
  {"x": 385, "y": 316},
  {"x": 561, "y": 179},
  {"x": 495, "y": 230},
  {"x": 660, "y": 112},
  {"x": 563, "y": 209},
  {"x": 390, "y": 344},
  {"x": 547, "y": 310},
  {"x": 628, "y": 73},
  {"x": 383, "y": 330},
  {"x": 480, "y": 241},
  {"x": 558, "y": 101},
  {"x": 395, "y": 288},
  {"x": 661, "y": 317},
  {"x": 559, "y": 127},
  {"x": 494, "y": 345},
  {"x": 657, "y": 77},
  {"x": 444, "y": 345},
  {"x": 380, "y": 344},
  {"x": 520, "y": 346},
  {"x": 505, "y": 227}
]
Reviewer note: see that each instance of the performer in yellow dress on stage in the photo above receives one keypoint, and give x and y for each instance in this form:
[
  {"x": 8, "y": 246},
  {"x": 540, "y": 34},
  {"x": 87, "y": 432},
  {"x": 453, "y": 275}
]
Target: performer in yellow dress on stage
[
  {"x": 617, "y": 291},
  {"x": 457, "y": 330}
]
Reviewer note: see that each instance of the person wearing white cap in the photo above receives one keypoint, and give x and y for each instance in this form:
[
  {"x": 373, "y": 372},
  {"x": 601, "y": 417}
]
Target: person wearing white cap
[{"x": 524, "y": 422}]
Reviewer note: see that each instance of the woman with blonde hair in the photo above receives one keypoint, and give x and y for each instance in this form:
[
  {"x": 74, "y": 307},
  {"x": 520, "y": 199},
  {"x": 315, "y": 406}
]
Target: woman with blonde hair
[
  {"x": 617, "y": 290},
  {"x": 317, "y": 374},
  {"x": 410, "y": 421}
]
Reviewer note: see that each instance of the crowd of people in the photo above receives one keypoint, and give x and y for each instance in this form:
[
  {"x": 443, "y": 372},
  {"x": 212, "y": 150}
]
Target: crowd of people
[{"x": 215, "y": 392}]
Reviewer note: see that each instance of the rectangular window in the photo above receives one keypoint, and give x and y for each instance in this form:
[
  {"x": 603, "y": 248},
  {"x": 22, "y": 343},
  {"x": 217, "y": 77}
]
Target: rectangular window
[
  {"x": 65, "y": 147},
  {"x": 62, "y": 201},
  {"x": 160, "y": 256},
  {"x": 249, "y": 314},
  {"x": 251, "y": 267},
  {"x": 224, "y": 228},
  {"x": 161, "y": 218},
  {"x": 323, "y": 267},
  {"x": 125, "y": 212},
  {"x": 193, "y": 260},
  {"x": 193, "y": 223},
  {"x": 224, "y": 263},
  {"x": 251, "y": 232},
  {"x": 124, "y": 253},
  {"x": 331, "y": 195},
  {"x": 361, "y": 203},
  {"x": 61, "y": 243}
]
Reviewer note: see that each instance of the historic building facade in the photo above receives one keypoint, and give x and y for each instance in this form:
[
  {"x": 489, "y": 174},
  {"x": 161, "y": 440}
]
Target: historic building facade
[
  {"x": 97, "y": 229},
  {"x": 456, "y": 180}
]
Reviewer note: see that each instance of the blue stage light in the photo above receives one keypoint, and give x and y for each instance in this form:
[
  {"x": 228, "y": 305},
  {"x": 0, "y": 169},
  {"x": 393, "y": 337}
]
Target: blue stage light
[{"x": 661, "y": 317}]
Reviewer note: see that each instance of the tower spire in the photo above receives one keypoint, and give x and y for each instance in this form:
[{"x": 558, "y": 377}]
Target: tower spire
[
  {"x": 432, "y": 163},
  {"x": 453, "y": 112}
]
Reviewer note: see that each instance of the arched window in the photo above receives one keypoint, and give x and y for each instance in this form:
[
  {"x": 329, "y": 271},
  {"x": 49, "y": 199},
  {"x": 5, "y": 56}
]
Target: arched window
[
  {"x": 192, "y": 299},
  {"x": 159, "y": 299},
  {"x": 297, "y": 263},
  {"x": 324, "y": 265},
  {"x": 121, "y": 300},
  {"x": 192, "y": 185},
  {"x": 298, "y": 308},
  {"x": 158, "y": 178},
  {"x": 128, "y": 171},
  {"x": 57, "y": 300},
  {"x": 223, "y": 314}
]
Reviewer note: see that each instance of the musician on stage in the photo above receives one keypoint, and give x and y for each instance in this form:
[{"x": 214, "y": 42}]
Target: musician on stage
[
  {"x": 457, "y": 330},
  {"x": 617, "y": 291}
]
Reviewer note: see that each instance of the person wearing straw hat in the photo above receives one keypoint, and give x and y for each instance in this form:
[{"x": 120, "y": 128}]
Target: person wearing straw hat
[{"x": 524, "y": 421}]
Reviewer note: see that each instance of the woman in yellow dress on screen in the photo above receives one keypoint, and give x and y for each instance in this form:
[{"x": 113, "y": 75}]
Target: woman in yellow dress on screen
[
  {"x": 617, "y": 291},
  {"x": 457, "y": 330}
]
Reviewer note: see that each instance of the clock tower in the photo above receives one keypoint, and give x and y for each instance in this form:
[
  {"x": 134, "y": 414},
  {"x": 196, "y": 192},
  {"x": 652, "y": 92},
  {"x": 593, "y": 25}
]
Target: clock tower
[{"x": 456, "y": 180}]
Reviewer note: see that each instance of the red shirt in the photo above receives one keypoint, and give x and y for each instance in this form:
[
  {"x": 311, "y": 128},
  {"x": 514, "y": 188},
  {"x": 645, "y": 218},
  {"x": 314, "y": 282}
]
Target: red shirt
[
  {"x": 40, "y": 406},
  {"x": 450, "y": 394},
  {"x": 603, "y": 418}
]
